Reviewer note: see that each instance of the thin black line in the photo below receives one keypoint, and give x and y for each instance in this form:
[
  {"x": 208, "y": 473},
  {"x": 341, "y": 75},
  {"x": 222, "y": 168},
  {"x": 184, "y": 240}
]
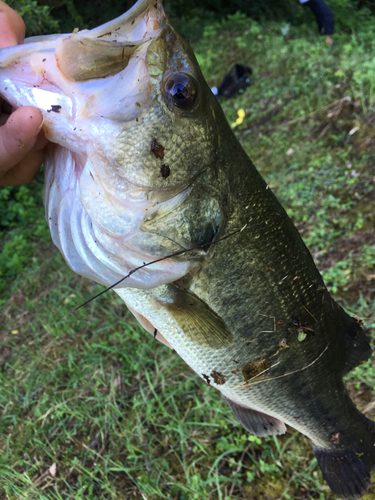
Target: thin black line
[{"x": 180, "y": 252}]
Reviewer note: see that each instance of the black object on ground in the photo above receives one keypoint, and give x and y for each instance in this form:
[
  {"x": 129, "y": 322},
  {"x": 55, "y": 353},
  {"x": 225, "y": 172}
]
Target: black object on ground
[{"x": 237, "y": 79}]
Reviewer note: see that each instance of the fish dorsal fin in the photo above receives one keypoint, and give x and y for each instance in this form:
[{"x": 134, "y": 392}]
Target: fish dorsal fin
[
  {"x": 256, "y": 422},
  {"x": 196, "y": 319},
  {"x": 357, "y": 346}
]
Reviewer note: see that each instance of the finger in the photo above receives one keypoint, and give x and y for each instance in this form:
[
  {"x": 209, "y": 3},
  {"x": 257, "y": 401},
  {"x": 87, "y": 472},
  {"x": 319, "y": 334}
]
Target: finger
[
  {"x": 25, "y": 171},
  {"x": 12, "y": 27},
  {"x": 18, "y": 136}
]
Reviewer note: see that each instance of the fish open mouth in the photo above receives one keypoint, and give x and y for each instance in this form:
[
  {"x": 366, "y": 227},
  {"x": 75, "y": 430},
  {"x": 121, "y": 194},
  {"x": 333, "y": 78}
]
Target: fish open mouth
[
  {"x": 86, "y": 57},
  {"x": 95, "y": 62},
  {"x": 114, "y": 53}
]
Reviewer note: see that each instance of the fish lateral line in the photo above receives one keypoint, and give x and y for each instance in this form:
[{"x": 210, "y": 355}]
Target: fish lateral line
[{"x": 145, "y": 264}]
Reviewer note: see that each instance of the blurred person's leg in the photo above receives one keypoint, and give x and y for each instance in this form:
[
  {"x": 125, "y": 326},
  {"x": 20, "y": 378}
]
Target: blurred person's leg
[{"x": 323, "y": 15}]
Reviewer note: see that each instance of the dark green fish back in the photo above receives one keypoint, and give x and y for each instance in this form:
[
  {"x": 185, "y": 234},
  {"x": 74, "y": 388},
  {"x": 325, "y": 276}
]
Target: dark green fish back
[{"x": 279, "y": 306}]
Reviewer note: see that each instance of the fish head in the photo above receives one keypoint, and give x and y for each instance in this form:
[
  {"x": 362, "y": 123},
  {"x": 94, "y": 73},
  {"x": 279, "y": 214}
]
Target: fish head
[{"x": 134, "y": 173}]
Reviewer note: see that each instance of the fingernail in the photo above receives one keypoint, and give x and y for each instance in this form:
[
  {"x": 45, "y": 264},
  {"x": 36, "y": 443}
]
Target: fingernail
[{"x": 40, "y": 126}]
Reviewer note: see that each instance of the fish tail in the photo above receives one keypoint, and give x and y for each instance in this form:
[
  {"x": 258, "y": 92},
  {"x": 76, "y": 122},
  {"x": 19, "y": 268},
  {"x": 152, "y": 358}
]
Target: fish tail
[
  {"x": 347, "y": 470},
  {"x": 344, "y": 472}
]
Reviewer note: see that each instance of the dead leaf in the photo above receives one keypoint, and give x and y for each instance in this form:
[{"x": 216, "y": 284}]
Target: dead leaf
[
  {"x": 336, "y": 438},
  {"x": 52, "y": 469}
]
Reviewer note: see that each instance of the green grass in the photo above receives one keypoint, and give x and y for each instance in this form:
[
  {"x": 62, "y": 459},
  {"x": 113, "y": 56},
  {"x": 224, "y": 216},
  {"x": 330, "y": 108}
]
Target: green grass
[{"x": 122, "y": 416}]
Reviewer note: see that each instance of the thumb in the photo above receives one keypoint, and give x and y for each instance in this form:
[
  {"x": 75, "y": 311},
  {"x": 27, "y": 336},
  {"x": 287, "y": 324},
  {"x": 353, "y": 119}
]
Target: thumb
[{"x": 18, "y": 136}]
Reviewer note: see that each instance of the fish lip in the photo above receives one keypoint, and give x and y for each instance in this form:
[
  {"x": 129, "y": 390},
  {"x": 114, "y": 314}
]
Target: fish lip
[{"x": 138, "y": 9}]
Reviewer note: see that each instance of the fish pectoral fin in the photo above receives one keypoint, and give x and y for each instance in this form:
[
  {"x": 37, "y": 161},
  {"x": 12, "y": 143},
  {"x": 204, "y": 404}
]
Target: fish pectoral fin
[
  {"x": 196, "y": 319},
  {"x": 83, "y": 59},
  {"x": 256, "y": 422}
]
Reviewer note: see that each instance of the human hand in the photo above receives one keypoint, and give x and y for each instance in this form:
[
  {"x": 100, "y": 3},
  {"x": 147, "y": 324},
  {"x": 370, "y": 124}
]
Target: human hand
[{"x": 22, "y": 142}]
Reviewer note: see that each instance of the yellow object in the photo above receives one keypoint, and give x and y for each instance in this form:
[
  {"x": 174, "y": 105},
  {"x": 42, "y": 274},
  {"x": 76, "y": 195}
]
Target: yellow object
[{"x": 241, "y": 115}]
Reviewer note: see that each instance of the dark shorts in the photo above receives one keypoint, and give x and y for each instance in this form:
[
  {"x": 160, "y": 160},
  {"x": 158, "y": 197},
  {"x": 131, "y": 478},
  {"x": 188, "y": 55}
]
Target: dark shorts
[{"x": 323, "y": 16}]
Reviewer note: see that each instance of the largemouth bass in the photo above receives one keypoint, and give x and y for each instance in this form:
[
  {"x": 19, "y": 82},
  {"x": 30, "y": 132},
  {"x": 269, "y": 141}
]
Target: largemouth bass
[{"x": 143, "y": 165}]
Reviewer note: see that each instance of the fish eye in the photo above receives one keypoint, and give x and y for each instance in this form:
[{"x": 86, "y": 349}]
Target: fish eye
[{"x": 180, "y": 90}]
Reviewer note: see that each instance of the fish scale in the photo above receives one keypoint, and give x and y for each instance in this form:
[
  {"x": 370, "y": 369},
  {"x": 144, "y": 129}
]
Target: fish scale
[{"x": 242, "y": 303}]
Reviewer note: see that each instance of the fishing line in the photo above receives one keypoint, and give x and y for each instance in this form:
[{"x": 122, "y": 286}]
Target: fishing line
[
  {"x": 285, "y": 374},
  {"x": 180, "y": 252}
]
